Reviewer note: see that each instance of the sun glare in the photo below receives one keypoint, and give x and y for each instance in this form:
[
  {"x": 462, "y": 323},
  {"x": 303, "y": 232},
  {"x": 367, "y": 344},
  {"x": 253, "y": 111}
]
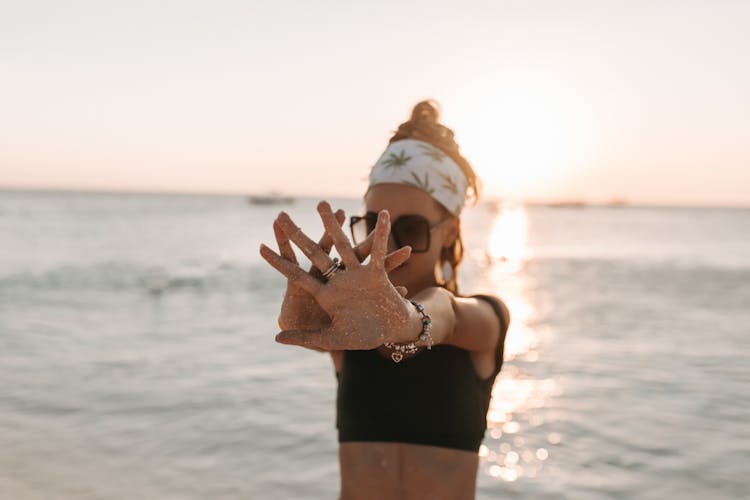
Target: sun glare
[{"x": 521, "y": 138}]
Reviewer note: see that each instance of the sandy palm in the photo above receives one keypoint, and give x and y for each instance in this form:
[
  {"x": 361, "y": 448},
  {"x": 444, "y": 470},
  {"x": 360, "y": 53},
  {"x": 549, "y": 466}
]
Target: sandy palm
[
  {"x": 364, "y": 308},
  {"x": 299, "y": 310}
]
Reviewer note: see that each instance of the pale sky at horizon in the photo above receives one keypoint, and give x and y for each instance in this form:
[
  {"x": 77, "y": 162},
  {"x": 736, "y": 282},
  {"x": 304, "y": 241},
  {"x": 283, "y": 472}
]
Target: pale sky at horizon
[{"x": 644, "y": 101}]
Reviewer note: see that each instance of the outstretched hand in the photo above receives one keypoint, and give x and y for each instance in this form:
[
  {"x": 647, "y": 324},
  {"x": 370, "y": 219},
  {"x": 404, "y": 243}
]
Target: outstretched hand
[
  {"x": 365, "y": 309},
  {"x": 299, "y": 310}
]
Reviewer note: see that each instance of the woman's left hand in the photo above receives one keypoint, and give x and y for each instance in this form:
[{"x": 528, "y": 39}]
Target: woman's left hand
[{"x": 365, "y": 308}]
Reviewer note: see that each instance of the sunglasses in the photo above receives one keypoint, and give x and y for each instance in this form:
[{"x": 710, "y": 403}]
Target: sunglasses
[{"x": 412, "y": 230}]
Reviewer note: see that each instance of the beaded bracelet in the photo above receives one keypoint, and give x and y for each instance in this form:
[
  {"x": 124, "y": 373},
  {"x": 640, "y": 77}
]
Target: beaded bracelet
[{"x": 411, "y": 347}]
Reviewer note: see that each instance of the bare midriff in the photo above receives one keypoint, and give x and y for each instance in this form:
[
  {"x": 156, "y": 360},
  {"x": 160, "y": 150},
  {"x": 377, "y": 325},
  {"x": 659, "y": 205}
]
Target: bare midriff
[{"x": 403, "y": 471}]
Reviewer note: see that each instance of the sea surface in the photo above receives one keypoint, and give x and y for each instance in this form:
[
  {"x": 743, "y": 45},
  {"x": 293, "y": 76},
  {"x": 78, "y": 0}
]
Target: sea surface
[{"x": 137, "y": 357}]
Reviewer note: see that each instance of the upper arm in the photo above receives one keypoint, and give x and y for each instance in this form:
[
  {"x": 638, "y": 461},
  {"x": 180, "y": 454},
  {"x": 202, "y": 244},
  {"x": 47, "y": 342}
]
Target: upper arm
[{"x": 481, "y": 323}]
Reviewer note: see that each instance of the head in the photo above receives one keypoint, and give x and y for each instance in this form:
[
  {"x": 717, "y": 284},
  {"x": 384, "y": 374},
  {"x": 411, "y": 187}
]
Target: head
[{"x": 438, "y": 204}]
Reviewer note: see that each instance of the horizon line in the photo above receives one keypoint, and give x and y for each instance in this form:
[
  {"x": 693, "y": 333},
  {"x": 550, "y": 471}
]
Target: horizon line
[{"x": 559, "y": 202}]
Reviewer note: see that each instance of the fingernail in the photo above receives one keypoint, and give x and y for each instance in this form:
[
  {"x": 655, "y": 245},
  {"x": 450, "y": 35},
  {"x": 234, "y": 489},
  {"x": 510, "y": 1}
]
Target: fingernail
[{"x": 383, "y": 215}]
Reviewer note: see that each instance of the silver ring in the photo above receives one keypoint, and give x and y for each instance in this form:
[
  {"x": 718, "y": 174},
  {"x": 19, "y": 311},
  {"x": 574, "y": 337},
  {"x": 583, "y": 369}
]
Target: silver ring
[{"x": 334, "y": 267}]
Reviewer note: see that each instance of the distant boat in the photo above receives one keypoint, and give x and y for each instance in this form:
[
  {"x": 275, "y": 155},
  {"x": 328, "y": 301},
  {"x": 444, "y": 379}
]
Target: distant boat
[
  {"x": 270, "y": 198},
  {"x": 617, "y": 202},
  {"x": 566, "y": 204}
]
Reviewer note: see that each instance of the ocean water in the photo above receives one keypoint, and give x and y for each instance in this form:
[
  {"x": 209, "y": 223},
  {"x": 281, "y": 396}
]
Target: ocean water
[{"x": 137, "y": 357}]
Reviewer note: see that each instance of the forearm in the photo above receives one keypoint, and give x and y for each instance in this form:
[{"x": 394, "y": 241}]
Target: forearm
[{"x": 477, "y": 323}]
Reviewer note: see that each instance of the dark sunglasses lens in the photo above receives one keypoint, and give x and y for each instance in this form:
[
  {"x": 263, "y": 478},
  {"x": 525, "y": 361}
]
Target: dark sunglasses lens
[{"x": 412, "y": 231}]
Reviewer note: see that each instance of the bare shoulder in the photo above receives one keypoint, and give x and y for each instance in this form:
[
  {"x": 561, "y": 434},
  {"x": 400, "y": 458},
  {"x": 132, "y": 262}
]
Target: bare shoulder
[
  {"x": 488, "y": 306},
  {"x": 482, "y": 320},
  {"x": 499, "y": 307}
]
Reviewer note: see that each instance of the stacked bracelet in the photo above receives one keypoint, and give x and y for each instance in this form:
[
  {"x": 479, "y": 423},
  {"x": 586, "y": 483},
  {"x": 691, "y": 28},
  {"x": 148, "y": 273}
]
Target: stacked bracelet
[{"x": 411, "y": 347}]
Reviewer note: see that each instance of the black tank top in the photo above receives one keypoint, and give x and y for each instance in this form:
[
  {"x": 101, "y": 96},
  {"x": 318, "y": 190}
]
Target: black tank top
[{"x": 433, "y": 398}]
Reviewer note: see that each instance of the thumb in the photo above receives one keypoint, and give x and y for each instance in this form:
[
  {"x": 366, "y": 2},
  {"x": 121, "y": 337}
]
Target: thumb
[{"x": 304, "y": 338}]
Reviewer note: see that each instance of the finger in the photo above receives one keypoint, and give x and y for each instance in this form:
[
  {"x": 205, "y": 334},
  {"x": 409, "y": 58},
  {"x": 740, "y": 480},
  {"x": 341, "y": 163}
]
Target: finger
[
  {"x": 396, "y": 258},
  {"x": 325, "y": 242},
  {"x": 317, "y": 256},
  {"x": 340, "y": 241},
  {"x": 291, "y": 270},
  {"x": 340, "y": 217},
  {"x": 380, "y": 241},
  {"x": 306, "y": 338},
  {"x": 402, "y": 290},
  {"x": 285, "y": 248},
  {"x": 363, "y": 249}
]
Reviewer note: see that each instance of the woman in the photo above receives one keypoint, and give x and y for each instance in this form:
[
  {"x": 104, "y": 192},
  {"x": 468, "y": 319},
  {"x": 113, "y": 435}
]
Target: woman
[{"x": 414, "y": 359}]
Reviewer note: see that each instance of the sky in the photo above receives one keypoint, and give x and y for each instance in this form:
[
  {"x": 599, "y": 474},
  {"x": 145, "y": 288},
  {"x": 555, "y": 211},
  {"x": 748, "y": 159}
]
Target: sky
[{"x": 641, "y": 101}]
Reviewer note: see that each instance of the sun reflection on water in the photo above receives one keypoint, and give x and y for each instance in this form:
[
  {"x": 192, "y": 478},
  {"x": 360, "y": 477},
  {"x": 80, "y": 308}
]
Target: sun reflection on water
[
  {"x": 517, "y": 442},
  {"x": 507, "y": 240}
]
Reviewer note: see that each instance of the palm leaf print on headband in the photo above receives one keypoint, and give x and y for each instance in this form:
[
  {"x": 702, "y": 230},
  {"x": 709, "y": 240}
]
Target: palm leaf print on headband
[
  {"x": 396, "y": 160},
  {"x": 432, "y": 152},
  {"x": 448, "y": 183},
  {"x": 424, "y": 185}
]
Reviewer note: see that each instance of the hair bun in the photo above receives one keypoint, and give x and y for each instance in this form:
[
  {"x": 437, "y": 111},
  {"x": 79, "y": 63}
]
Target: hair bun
[
  {"x": 424, "y": 125},
  {"x": 425, "y": 113}
]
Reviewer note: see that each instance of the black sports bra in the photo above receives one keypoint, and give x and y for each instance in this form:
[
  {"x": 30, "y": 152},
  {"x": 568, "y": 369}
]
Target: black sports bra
[{"x": 434, "y": 398}]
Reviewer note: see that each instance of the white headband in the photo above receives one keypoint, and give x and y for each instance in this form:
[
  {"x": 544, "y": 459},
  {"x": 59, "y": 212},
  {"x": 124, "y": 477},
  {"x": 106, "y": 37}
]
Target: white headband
[{"x": 422, "y": 165}]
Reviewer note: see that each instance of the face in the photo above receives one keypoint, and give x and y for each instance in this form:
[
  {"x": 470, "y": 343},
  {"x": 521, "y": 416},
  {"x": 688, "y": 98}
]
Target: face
[{"x": 418, "y": 272}]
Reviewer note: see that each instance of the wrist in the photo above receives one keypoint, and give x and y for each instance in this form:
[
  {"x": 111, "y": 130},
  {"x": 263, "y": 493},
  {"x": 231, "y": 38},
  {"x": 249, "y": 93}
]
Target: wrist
[
  {"x": 412, "y": 326},
  {"x": 424, "y": 338}
]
